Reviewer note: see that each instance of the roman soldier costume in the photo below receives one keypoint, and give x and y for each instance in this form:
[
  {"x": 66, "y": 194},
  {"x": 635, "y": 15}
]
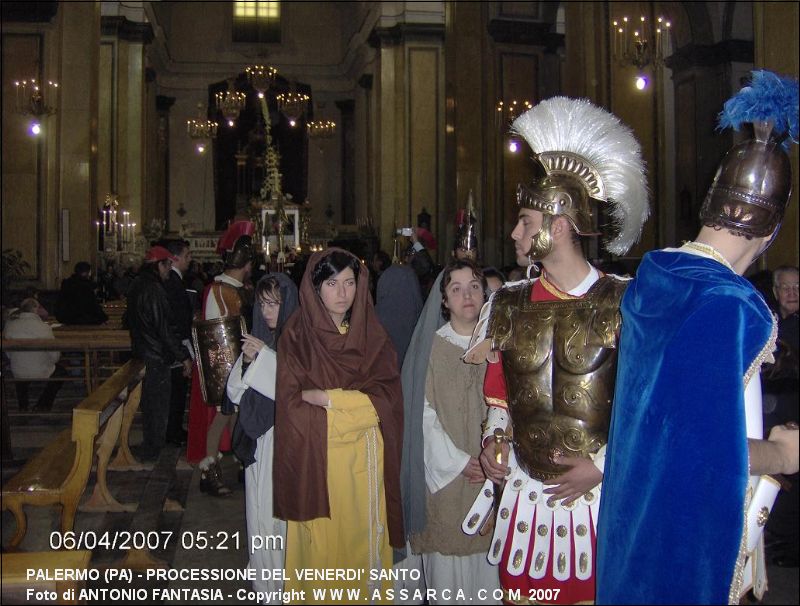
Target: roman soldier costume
[{"x": 557, "y": 350}]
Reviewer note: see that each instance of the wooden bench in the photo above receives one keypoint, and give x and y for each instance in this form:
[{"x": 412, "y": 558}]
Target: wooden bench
[
  {"x": 88, "y": 342},
  {"x": 59, "y": 473}
]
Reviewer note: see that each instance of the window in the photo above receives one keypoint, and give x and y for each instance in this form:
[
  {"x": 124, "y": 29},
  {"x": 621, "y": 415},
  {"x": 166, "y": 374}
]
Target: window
[{"x": 257, "y": 21}]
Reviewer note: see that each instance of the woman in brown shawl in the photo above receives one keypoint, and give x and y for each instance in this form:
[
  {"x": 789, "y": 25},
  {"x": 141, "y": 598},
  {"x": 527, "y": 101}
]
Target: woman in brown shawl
[{"x": 338, "y": 431}]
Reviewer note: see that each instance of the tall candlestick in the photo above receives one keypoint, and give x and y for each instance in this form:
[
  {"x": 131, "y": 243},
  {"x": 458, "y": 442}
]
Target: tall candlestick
[{"x": 624, "y": 36}]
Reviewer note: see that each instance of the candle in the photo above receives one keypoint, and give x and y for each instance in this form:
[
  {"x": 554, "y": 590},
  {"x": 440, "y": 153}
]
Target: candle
[
  {"x": 97, "y": 234},
  {"x": 624, "y": 35},
  {"x": 614, "y": 39}
]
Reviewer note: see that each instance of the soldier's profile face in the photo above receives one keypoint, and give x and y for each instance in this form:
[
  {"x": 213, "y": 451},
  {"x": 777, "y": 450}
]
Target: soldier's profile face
[{"x": 529, "y": 222}]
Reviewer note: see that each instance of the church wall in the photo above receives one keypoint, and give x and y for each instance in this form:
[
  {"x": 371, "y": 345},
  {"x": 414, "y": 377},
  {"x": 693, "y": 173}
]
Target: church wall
[
  {"x": 776, "y": 35},
  {"x": 24, "y": 201}
]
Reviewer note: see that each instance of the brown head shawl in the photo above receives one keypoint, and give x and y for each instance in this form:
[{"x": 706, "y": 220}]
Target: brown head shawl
[{"x": 312, "y": 354}]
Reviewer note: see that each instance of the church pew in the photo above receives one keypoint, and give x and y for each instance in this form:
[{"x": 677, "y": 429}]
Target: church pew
[{"x": 58, "y": 474}]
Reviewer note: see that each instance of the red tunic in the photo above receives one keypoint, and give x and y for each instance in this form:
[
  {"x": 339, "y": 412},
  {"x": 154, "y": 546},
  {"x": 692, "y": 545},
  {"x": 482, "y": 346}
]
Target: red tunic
[
  {"x": 201, "y": 415},
  {"x": 572, "y": 591}
]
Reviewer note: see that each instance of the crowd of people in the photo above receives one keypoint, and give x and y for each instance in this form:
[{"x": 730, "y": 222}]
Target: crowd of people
[{"x": 562, "y": 434}]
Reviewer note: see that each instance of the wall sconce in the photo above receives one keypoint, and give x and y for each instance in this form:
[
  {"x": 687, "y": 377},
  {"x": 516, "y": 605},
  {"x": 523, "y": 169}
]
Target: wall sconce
[
  {"x": 635, "y": 45},
  {"x": 506, "y": 113},
  {"x": 35, "y": 100}
]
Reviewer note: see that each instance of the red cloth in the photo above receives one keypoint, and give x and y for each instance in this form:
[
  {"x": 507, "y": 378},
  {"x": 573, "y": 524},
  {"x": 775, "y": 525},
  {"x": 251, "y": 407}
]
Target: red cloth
[
  {"x": 228, "y": 240},
  {"x": 201, "y": 415},
  {"x": 426, "y": 238},
  {"x": 574, "y": 590}
]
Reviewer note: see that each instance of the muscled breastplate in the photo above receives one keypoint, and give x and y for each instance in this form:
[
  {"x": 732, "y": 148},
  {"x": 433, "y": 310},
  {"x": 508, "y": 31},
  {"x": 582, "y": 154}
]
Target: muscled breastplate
[{"x": 559, "y": 362}]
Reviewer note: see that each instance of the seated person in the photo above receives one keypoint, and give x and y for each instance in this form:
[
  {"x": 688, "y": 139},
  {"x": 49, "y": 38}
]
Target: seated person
[
  {"x": 25, "y": 323},
  {"x": 77, "y": 302}
]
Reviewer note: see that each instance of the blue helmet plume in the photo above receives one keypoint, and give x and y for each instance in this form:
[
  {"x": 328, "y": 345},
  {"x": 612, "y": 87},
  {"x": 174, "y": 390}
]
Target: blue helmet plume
[{"x": 769, "y": 97}]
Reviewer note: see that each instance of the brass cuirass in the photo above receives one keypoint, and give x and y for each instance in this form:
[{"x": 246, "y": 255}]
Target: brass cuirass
[
  {"x": 217, "y": 343},
  {"x": 559, "y": 362}
]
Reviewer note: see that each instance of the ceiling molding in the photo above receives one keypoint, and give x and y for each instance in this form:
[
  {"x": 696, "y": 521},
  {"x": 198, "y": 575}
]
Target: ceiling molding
[{"x": 125, "y": 29}]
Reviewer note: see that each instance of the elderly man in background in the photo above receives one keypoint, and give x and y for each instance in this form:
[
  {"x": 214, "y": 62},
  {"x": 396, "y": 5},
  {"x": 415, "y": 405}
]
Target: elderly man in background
[
  {"x": 780, "y": 385},
  {"x": 25, "y": 323}
]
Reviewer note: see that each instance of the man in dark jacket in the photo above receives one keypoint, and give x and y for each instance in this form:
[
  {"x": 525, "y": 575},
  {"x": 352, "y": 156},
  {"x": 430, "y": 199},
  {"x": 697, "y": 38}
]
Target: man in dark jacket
[
  {"x": 150, "y": 322},
  {"x": 182, "y": 315},
  {"x": 77, "y": 303}
]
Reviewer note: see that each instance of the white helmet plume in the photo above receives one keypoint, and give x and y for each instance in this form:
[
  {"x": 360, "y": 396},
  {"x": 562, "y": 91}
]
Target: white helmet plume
[{"x": 577, "y": 126}]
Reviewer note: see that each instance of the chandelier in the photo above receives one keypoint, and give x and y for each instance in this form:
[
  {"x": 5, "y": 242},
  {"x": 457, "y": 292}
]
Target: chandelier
[
  {"x": 35, "y": 100},
  {"x": 638, "y": 45},
  {"x": 201, "y": 130},
  {"x": 321, "y": 129},
  {"x": 293, "y": 105},
  {"x": 230, "y": 103},
  {"x": 261, "y": 77},
  {"x": 506, "y": 113}
]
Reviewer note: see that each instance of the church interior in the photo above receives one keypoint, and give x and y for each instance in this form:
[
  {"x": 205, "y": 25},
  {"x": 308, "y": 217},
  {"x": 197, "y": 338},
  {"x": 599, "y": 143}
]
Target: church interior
[
  {"x": 419, "y": 95},
  {"x": 126, "y": 122}
]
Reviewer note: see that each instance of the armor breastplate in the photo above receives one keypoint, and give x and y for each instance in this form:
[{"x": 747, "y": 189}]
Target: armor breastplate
[
  {"x": 217, "y": 343},
  {"x": 559, "y": 362}
]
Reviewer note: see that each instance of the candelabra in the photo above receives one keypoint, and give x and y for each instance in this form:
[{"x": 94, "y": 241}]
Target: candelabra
[
  {"x": 321, "y": 129},
  {"x": 635, "y": 45},
  {"x": 230, "y": 103},
  {"x": 201, "y": 130},
  {"x": 293, "y": 105},
  {"x": 261, "y": 77},
  {"x": 35, "y": 100},
  {"x": 114, "y": 230},
  {"x": 506, "y": 113}
]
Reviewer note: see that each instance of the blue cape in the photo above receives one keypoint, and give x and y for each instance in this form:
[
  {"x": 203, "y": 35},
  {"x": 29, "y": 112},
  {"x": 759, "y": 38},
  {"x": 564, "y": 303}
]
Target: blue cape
[{"x": 672, "y": 507}]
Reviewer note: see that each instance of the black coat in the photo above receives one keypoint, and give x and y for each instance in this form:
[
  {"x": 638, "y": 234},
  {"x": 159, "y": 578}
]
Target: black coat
[
  {"x": 77, "y": 303},
  {"x": 180, "y": 305},
  {"x": 149, "y": 320}
]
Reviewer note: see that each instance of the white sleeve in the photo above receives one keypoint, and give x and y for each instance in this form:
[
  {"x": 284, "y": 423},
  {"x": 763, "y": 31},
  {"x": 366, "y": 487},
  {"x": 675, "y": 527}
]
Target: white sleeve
[
  {"x": 236, "y": 387},
  {"x": 443, "y": 460},
  {"x": 599, "y": 459},
  {"x": 212, "y": 309},
  {"x": 262, "y": 372},
  {"x": 496, "y": 418}
]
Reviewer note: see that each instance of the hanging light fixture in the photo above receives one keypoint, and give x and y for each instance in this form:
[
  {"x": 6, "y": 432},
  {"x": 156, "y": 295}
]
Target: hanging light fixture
[
  {"x": 261, "y": 77},
  {"x": 321, "y": 129},
  {"x": 230, "y": 103},
  {"x": 293, "y": 105},
  {"x": 35, "y": 100},
  {"x": 201, "y": 130}
]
